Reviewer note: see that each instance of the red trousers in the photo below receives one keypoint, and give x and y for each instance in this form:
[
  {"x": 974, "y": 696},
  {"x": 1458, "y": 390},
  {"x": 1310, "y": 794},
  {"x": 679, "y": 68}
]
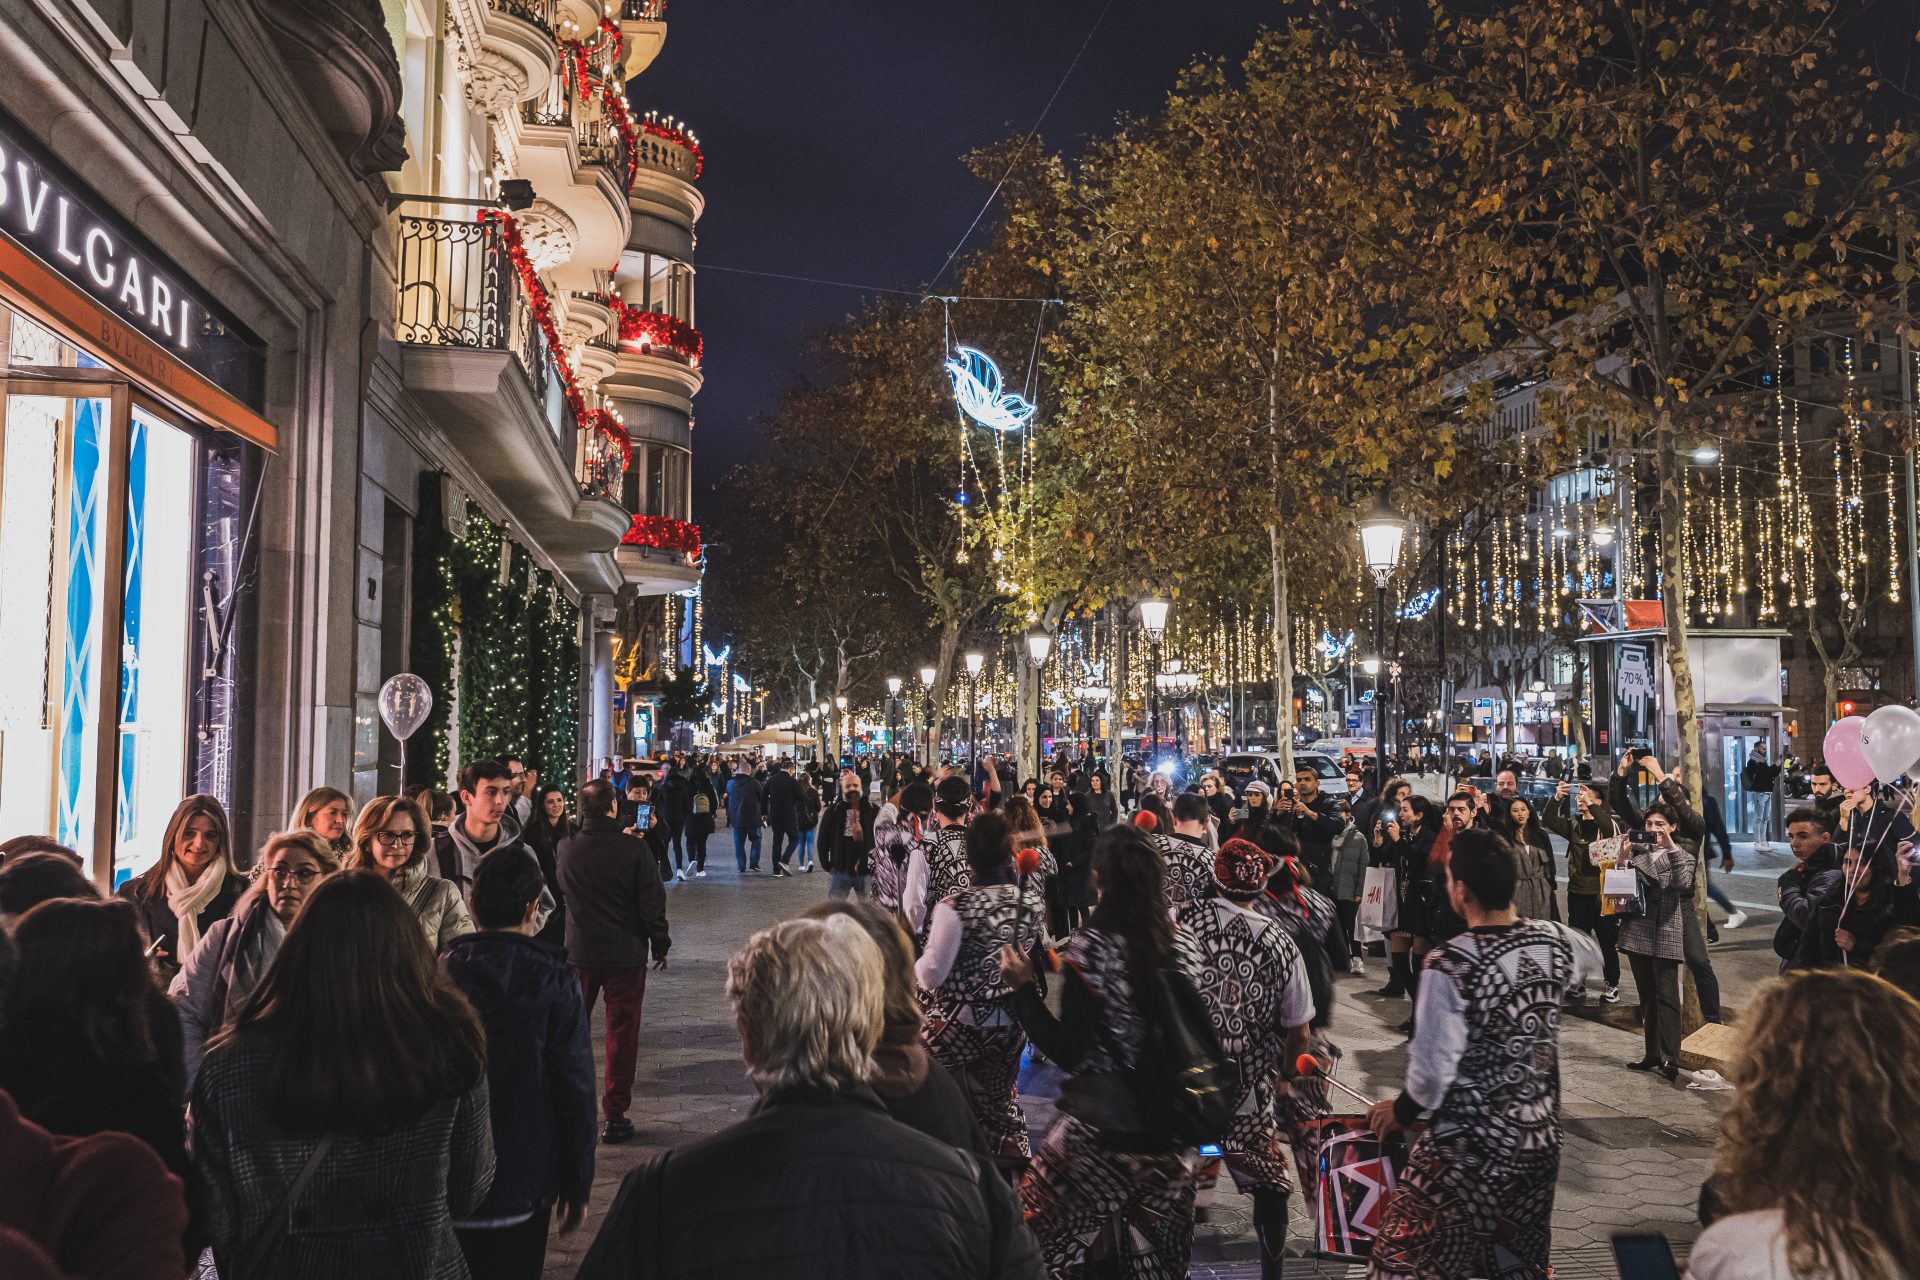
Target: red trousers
[{"x": 625, "y": 989}]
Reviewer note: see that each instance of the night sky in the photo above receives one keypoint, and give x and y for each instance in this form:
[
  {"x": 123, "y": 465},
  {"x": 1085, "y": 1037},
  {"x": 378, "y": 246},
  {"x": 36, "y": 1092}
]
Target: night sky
[{"x": 833, "y": 134}]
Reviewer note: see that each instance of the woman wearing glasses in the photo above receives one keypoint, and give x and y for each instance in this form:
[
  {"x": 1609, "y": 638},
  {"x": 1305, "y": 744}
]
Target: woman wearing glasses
[
  {"x": 391, "y": 838},
  {"x": 234, "y": 954}
]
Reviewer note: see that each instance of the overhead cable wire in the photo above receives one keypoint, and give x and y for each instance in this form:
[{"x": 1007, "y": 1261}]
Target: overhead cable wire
[{"x": 1021, "y": 149}]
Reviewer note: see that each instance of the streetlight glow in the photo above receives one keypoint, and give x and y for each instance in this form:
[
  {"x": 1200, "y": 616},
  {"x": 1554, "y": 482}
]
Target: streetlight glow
[
  {"x": 926, "y": 676},
  {"x": 1382, "y": 533},
  {"x": 1153, "y": 618},
  {"x": 1039, "y": 645},
  {"x": 1370, "y": 665},
  {"x": 975, "y": 661},
  {"x": 893, "y": 685}
]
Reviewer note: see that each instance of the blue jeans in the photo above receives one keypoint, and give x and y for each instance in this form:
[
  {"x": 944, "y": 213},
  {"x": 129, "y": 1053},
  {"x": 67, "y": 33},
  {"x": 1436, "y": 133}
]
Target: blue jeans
[
  {"x": 742, "y": 837},
  {"x": 803, "y": 852},
  {"x": 842, "y": 883}
]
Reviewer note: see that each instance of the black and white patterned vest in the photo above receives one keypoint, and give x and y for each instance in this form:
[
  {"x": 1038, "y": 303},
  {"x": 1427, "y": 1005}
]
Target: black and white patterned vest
[{"x": 990, "y": 916}]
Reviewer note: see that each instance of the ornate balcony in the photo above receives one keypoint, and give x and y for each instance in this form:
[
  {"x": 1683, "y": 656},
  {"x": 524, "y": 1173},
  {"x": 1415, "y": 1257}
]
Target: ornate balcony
[
  {"x": 480, "y": 352},
  {"x": 668, "y": 162},
  {"x": 644, "y": 24},
  {"x": 514, "y": 57},
  {"x": 659, "y": 556}
]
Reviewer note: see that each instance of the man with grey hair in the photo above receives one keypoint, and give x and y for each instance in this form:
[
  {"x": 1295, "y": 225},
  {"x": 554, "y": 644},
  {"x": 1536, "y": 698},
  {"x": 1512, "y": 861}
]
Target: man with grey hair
[{"x": 819, "y": 1181}]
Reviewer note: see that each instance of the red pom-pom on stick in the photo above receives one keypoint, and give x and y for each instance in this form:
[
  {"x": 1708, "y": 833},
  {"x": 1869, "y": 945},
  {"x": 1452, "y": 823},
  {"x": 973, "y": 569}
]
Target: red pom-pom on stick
[{"x": 1145, "y": 820}]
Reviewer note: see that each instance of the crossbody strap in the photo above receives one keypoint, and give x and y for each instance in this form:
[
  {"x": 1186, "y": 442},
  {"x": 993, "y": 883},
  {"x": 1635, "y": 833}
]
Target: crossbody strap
[{"x": 281, "y": 1217}]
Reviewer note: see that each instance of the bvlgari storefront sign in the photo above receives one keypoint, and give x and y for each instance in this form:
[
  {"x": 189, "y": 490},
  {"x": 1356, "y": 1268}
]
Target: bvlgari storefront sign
[{"x": 47, "y": 211}]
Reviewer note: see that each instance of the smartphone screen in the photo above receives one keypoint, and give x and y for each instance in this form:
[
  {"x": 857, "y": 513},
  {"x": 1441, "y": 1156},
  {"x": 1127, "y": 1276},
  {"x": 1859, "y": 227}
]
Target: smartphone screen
[
  {"x": 1644, "y": 1256},
  {"x": 642, "y": 815}
]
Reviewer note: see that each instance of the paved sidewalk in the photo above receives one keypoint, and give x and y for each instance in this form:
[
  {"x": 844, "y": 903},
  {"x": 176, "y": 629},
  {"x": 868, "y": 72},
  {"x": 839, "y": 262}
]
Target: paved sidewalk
[{"x": 1637, "y": 1147}]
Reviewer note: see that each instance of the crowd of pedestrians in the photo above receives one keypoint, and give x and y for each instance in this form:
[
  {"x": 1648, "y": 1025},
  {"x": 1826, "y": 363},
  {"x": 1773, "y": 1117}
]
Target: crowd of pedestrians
[{"x": 365, "y": 1047}]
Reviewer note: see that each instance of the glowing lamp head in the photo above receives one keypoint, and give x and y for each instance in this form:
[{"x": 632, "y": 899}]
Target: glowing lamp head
[
  {"x": 893, "y": 685},
  {"x": 840, "y": 703},
  {"x": 927, "y": 675},
  {"x": 975, "y": 661},
  {"x": 1706, "y": 455},
  {"x": 1382, "y": 533},
  {"x": 1370, "y": 665},
  {"x": 1153, "y": 618},
  {"x": 1603, "y": 535},
  {"x": 1039, "y": 645}
]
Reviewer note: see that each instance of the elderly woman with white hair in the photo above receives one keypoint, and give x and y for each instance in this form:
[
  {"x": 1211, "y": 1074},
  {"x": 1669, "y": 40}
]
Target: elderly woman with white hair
[{"x": 819, "y": 1181}]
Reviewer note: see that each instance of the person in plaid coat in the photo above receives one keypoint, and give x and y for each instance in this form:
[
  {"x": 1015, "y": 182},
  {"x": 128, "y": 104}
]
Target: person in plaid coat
[{"x": 341, "y": 1124}]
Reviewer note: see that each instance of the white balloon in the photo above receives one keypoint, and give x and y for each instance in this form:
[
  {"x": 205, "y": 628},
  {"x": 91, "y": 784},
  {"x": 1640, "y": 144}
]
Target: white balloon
[
  {"x": 1890, "y": 740},
  {"x": 405, "y": 701}
]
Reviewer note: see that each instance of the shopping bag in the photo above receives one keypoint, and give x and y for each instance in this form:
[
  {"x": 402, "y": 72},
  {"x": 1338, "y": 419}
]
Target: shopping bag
[
  {"x": 1379, "y": 903},
  {"x": 1620, "y": 893},
  {"x": 1355, "y": 1173}
]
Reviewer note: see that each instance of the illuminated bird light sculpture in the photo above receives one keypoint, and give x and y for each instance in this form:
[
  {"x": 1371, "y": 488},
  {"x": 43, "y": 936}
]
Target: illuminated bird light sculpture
[{"x": 976, "y": 387}]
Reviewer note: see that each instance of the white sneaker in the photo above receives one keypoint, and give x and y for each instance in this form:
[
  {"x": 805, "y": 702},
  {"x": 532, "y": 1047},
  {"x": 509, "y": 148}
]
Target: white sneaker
[
  {"x": 1735, "y": 920},
  {"x": 1357, "y": 967},
  {"x": 681, "y": 874},
  {"x": 702, "y": 873},
  {"x": 1763, "y": 846}
]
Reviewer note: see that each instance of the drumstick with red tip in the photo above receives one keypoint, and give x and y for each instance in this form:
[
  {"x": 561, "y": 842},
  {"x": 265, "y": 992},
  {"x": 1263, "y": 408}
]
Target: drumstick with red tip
[{"x": 1308, "y": 1065}]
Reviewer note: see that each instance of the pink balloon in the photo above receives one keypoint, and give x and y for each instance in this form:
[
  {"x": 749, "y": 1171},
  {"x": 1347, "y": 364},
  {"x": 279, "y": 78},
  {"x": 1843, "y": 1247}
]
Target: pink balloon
[{"x": 1843, "y": 754}]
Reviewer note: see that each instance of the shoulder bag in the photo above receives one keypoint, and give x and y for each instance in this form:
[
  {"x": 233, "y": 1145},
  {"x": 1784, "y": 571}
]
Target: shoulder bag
[{"x": 278, "y": 1220}]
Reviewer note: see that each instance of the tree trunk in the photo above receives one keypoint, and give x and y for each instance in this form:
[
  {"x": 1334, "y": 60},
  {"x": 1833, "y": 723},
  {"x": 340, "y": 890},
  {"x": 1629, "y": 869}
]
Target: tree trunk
[
  {"x": 942, "y": 685},
  {"x": 1672, "y": 515},
  {"x": 1282, "y": 652},
  {"x": 1026, "y": 717}
]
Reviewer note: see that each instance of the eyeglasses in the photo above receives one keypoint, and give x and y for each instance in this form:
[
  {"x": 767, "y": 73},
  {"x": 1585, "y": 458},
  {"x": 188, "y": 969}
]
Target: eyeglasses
[
  {"x": 398, "y": 839},
  {"x": 294, "y": 875}
]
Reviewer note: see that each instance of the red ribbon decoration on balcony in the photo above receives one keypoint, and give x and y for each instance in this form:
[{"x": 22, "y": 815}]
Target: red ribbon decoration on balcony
[
  {"x": 664, "y": 533},
  {"x": 603, "y": 422},
  {"x": 642, "y": 329},
  {"x": 538, "y": 303},
  {"x": 679, "y": 139}
]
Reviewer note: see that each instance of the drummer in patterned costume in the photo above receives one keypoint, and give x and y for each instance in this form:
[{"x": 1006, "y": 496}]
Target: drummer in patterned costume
[
  {"x": 1476, "y": 1196},
  {"x": 1189, "y": 861},
  {"x": 937, "y": 867},
  {"x": 969, "y": 1027},
  {"x": 1256, "y": 990}
]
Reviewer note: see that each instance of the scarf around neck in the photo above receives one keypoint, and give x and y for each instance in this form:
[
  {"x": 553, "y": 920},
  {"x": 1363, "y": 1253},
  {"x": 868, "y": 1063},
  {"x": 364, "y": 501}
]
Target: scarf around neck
[{"x": 187, "y": 900}]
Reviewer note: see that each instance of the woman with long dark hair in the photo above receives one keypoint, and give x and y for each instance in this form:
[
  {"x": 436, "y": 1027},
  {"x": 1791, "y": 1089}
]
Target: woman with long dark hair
[
  {"x": 1533, "y": 897},
  {"x": 1409, "y": 843},
  {"x": 340, "y": 1123},
  {"x": 1099, "y": 1159},
  {"x": 1101, "y": 802},
  {"x": 971, "y": 1031},
  {"x": 549, "y": 825},
  {"x": 192, "y": 884},
  {"x": 91, "y": 1045}
]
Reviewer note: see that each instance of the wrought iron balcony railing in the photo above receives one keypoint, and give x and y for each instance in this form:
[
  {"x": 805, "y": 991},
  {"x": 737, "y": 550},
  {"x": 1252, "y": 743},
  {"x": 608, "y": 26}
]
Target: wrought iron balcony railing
[
  {"x": 458, "y": 288},
  {"x": 541, "y": 13}
]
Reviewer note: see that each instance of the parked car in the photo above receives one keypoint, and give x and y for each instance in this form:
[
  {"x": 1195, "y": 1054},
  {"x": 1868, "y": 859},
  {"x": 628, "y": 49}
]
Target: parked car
[{"x": 1244, "y": 766}]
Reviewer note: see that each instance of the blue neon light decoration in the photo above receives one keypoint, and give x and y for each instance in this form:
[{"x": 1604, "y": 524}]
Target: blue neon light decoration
[
  {"x": 976, "y": 388},
  {"x": 1421, "y": 605}
]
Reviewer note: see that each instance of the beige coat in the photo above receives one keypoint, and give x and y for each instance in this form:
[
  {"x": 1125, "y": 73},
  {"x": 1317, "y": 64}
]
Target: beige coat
[{"x": 442, "y": 911}]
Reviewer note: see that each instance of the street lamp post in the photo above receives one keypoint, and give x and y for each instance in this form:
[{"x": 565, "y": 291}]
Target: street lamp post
[
  {"x": 1153, "y": 620},
  {"x": 1039, "y": 645},
  {"x": 1382, "y": 533},
  {"x": 927, "y": 676},
  {"x": 839, "y": 728},
  {"x": 893, "y": 705},
  {"x": 975, "y": 661}
]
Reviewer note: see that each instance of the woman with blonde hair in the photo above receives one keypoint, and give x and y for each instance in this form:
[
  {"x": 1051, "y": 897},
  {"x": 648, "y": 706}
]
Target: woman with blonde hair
[
  {"x": 326, "y": 811},
  {"x": 1819, "y": 1163},
  {"x": 234, "y": 954},
  {"x": 391, "y": 837}
]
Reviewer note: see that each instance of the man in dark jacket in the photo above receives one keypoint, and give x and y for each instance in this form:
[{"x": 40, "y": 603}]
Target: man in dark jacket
[
  {"x": 616, "y": 906},
  {"x": 846, "y": 838},
  {"x": 783, "y": 813},
  {"x": 1816, "y": 867},
  {"x": 819, "y": 1182},
  {"x": 745, "y": 803},
  {"x": 1315, "y": 822},
  {"x": 486, "y": 796},
  {"x": 671, "y": 797},
  {"x": 539, "y": 1072}
]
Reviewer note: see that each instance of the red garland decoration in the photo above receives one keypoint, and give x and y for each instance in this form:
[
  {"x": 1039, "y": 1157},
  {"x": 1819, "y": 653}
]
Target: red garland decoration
[
  {"x": 642, "y": 329},
  {"x": 664, "y": 533},
  {"x": 538, "y": 303},
  {"x": 603, "y": 422},
  {"x": 616, "y": 106},
  {"x": 678, "y": 139}
]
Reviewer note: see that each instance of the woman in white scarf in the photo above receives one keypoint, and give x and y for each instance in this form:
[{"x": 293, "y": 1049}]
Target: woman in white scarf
[{"x": 191, "y": 886}]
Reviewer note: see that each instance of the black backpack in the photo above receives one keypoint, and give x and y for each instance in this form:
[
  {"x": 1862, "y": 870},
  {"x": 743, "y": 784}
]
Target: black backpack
[{"x": 1183, "y": 1084}]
